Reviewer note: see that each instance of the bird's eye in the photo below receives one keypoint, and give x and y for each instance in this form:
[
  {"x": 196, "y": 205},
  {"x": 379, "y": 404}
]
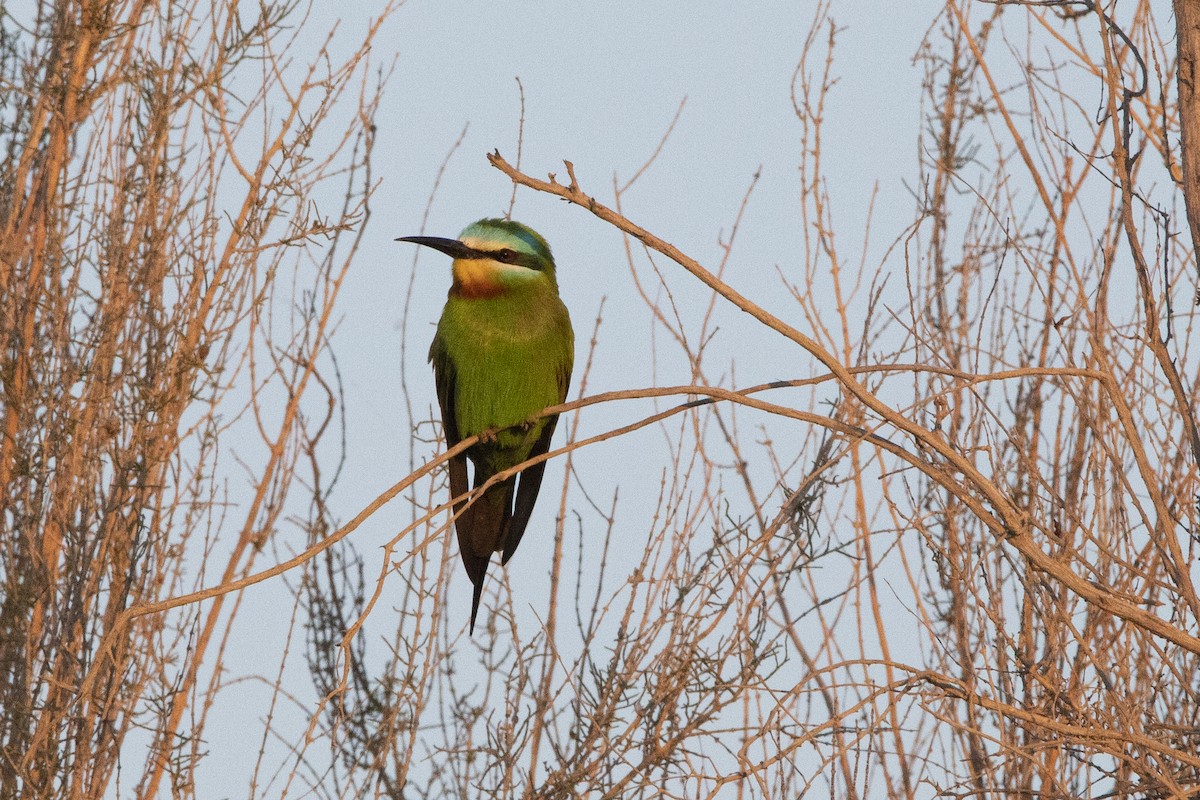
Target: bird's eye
[{"x": 507, "y": 256}]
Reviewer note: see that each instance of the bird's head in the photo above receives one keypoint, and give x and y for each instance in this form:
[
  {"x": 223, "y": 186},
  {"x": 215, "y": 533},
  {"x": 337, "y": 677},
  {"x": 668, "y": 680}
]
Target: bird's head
[{"x": 495, "y": 256}]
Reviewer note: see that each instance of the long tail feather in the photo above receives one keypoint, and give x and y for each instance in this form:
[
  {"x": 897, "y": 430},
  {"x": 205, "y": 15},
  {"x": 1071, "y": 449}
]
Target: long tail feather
[
  {"x": 481, "y": 531},
  {"x": 478, "y": 592}
]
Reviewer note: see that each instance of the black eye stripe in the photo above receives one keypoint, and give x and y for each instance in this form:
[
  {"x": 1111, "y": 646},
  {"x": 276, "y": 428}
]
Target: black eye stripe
[{"x": 506, "y": 256}]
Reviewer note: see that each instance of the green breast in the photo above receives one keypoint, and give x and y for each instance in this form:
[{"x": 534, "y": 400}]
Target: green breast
[{"x": 511, "y": 357}]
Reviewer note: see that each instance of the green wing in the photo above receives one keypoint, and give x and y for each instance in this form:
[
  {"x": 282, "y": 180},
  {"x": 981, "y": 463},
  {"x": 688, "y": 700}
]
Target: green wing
[{"x": 445, "y": 378}]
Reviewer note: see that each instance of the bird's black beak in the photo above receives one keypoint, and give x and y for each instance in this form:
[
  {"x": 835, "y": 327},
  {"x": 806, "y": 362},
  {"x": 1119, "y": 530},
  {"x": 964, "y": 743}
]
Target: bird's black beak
[{"x": 451, "y": 247}]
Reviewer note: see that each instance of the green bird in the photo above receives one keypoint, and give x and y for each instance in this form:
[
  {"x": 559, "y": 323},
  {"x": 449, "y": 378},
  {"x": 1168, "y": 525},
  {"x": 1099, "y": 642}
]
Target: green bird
[{"x": 503, "y": 351}]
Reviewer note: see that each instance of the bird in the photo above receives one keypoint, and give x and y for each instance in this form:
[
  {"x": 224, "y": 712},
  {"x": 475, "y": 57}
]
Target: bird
[{"x": 503, "y": 352}]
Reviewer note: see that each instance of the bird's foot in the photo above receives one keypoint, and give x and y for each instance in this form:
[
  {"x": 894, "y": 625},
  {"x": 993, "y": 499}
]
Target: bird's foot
[{"x": 488, "y": 435}]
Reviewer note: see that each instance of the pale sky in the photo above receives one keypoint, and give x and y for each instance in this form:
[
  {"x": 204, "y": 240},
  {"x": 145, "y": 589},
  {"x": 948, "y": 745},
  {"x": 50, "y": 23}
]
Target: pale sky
[{"x": 601, "y": 82}]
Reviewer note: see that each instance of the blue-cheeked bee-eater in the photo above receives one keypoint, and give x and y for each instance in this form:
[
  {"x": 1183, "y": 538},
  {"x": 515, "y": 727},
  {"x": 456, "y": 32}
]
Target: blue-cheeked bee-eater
[{"x": 503, "y": 351}]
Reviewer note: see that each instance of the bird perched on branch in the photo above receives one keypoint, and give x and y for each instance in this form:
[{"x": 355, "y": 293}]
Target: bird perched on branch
[{"x": 503, "y": 351}]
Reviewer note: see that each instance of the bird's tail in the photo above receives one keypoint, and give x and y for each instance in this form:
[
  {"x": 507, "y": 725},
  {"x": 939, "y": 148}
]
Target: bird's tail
[{"x": 482, "y": 529}]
